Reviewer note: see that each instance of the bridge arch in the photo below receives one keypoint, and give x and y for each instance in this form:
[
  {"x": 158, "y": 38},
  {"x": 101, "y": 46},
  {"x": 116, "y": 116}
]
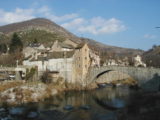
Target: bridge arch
[
  {"x": 102, "y": 73},
  {"x": 114, "y": 76}
]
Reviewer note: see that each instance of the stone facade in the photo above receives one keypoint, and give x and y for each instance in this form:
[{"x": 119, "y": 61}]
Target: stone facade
[
  {"x": 95, "y": 59},
  {"x": 54, "y": 63},
  {"x": 81, "y": 62}
]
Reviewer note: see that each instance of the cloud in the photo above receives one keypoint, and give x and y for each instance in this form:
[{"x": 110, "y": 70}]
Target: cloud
[
  {"x": 20, "y": 14},
  {"x": 72, "y": 21},
  {"x": 96, "y": 25},
  {"x": 149, "y": 36},
  {"x": 15, "y": 16},
  {"x": 47, "y": 12}
]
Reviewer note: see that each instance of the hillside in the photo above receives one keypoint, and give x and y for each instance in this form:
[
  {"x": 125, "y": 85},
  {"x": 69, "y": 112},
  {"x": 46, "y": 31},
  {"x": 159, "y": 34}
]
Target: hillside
[
  {"x": 38, "y": 28},
  {"x": 46, "y": 32},
  {"x": 152, "y": 57}
]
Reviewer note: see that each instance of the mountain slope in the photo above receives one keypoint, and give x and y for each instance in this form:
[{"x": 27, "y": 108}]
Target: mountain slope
[
  {"x": 38, "y": 24},
  {"x": 152, "y": 57}
]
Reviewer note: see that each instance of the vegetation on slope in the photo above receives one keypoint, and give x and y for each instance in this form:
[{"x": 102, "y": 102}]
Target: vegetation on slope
[
  {"x": 152, "y": 57},
  {"x": 42, "y": 36}
]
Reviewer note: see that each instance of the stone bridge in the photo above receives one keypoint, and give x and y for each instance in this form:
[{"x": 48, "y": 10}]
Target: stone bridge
[{"x": 142, "y": 75}]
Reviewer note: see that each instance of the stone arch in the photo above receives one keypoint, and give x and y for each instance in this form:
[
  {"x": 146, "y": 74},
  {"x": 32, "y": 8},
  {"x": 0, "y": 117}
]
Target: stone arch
[
  {"x": 101, "y": 73},
  {"x": 109, "y": 76}
]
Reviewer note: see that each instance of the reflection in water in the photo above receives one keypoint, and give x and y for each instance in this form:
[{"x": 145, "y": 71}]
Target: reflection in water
[{"x": 100, "y": 104}]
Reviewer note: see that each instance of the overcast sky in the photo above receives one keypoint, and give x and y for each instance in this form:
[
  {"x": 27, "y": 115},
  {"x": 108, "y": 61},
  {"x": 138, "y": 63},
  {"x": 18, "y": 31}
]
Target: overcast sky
[{"x": 125, "y": 23}]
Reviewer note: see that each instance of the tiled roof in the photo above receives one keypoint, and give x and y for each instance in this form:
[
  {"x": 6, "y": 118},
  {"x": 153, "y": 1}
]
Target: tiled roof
[
  {"x": 66, "y": 46},
  {"x": 80, "y": 45},
  {"x": 56, "y": 55}
]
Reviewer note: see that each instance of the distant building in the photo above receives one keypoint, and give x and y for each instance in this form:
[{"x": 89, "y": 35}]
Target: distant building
[{"x": 138, "y": 61}]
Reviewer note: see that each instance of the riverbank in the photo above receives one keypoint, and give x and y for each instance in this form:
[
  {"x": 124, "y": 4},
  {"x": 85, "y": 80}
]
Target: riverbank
[{"x": 19, "y": 92}]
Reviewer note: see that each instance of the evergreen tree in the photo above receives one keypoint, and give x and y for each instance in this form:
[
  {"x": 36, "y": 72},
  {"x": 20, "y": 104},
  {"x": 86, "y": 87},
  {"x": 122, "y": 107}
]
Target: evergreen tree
[
  {"x": 3, "y": 48},
  {"x": 35, "y": 41},
  {"x": 16, "y": 44}
]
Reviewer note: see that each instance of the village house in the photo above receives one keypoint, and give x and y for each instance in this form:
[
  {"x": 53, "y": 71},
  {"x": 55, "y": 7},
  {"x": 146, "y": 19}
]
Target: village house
[
  {"x": 95, "y": 59},
  {"x": 55, "y": 61},
  {"x": 71, "y": 63}
]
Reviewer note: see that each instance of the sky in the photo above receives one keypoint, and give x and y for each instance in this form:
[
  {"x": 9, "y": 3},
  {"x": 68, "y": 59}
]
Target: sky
[{"x": 123, "y": 23}]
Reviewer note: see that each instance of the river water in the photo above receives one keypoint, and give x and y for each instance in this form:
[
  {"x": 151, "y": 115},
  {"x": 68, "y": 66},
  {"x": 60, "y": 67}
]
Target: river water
[{"x": 107, "y": 103}]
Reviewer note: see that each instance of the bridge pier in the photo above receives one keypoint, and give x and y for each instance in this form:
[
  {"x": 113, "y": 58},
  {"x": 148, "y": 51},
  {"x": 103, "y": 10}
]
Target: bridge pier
[{"x": 18, "y": 76}]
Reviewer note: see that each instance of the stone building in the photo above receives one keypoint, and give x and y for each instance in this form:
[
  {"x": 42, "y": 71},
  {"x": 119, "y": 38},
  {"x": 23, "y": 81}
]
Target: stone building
[
  {"x": 55, "y": 61},
  {"x": 72, "y": 63},
  {"x": 81, "y": 62},
  {"x": 95, "y": 59}
]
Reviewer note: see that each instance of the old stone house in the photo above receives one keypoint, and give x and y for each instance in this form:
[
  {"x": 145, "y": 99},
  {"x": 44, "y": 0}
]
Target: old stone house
[
  {"x": 55, "y": 61},
  {"x": 81, "y": 63}
]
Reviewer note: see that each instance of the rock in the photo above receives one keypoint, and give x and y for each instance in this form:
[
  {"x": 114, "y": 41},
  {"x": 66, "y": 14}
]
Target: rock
[
  {"x": 32, "y": 115},
  {"x": 118, "y": 103},
  {"x": 6, "y": 118},
  {"x": 53, "y": 92},
  {"x": 112, "y": 104},
  {"x": 108, "y": 116},
  {"x": 17, "y": 111},
  {"x": 85, "y": 107},
  {"x": 2, "y": 110},
  {"x": 51, "y": 115},
  {"x": 68, "y": 107}
]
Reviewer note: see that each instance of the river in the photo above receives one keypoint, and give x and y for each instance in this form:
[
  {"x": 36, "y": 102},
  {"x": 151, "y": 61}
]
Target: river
[{"x": 107, "y": 103}]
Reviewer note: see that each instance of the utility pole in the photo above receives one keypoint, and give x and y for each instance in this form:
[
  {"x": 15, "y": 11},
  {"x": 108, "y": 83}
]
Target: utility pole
[
  {"x": 17, "y": 63},
  {"x": 65, "y": 62}
]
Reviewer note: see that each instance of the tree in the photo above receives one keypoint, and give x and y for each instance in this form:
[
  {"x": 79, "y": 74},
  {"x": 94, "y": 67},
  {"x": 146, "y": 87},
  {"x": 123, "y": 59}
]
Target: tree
[
  {"x": 30, "y": 74},
  {"x": 3, "y": 48},
  {"x": 46, "y": 77},
  {"x": 154, "y": 46},
  {"x": 16, "y": 44},
  {"x": 35, "y": 41}
]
